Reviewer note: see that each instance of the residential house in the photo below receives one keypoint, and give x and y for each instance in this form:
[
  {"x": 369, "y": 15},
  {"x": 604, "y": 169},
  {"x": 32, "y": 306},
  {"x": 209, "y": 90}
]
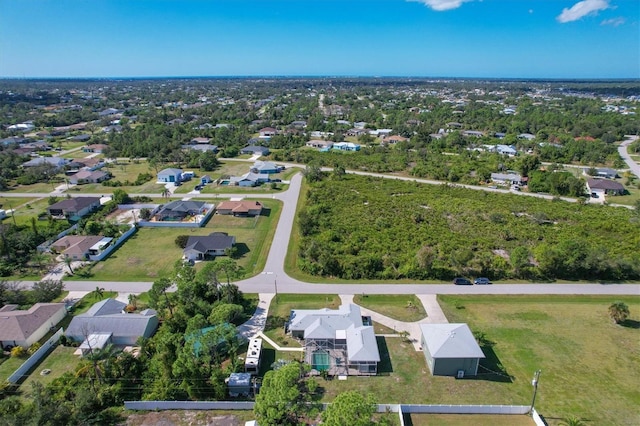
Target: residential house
[
  {"x": 24, "y": 328},
  {"x": 197, "y": 141},
  {"x": 336, "y": 341},
  {"x": 81, "y": 247},
  {"x": 601, "y": 187},
  {"x": 87, "y": 176},
  {"x": 81, "y": 138},
  {"x": 603, "y": 173},
  {"x": 507, "y": 178},
  {"x": 108, "y": 112},
  {"x": 57, "y": 162},
  {"x": 319, "y": 144},
  {"x": 346, "y": 146},
  {"x": 526, "y": 136},
  {"x": 299, "y": 124},
  {"x": 509, "y": 150},
  {"x": 249, "y": 179},
  {"x": 170, "y": 175},
  {"x": 450, "y": 350},
  {"x": 177, "y": 211},
  {"x": 240, "y": 208},
  {"x": 108, "y": 317},
  {"x": 265, "y": 167},
  {"x": 255, "y": 150},
  {"x": 74, "y": 208},
  {"x": 205, "y": 179},
  {"x": 392, "y": 140},
  {"x": 96, "y": 148},
  {"x": 202, "y": 147},
  {"x": 473, "y": 133},
  {"x": 212, "y": 245},
  {"x": 267, "y": 132}
]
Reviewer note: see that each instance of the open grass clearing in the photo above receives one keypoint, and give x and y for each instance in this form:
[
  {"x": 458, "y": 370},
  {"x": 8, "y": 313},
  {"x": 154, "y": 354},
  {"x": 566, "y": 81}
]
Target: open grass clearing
[
  {"x": 8, "y": 365},
  {"x": 590, "y": 366},
  {"x": 135, "y": 261},
  {"x": 407, "y": 308},
  {"x": 467, "y": 419}
]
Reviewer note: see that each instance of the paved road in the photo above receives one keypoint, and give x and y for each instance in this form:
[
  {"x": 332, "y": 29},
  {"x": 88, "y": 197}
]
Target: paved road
[
  {"x": 622, "y": 150},
  {"x": 275, "y": 280}
]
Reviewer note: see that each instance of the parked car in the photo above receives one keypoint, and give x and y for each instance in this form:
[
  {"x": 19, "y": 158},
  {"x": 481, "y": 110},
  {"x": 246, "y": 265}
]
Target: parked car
[
  {"x": 461, "y": 281},
  {"x": 481, "y": 280},
  {"x": 198, "y": 187}
]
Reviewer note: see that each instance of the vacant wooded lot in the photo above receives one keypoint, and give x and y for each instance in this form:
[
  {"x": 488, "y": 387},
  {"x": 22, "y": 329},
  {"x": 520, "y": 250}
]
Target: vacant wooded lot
[{"x": 361, "y": 227}]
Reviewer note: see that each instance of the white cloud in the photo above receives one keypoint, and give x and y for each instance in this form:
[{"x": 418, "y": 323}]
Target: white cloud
[
  {"x": 614, "y": 21},
  {"x": 582, "y": 9},
  {"x": 441, "y": 5}
]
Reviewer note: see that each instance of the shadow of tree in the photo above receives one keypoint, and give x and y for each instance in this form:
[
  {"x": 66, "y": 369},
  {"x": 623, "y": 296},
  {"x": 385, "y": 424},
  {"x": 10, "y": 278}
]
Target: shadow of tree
[{"x": 630, "y": 323}]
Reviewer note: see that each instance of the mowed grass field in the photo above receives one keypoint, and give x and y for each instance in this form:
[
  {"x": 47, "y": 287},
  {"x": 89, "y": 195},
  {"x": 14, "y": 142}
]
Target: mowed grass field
[
  {"x": 590, "y": 366},
  {"x": 151, "y": 252},
  {"x": 407, "y": 308}
]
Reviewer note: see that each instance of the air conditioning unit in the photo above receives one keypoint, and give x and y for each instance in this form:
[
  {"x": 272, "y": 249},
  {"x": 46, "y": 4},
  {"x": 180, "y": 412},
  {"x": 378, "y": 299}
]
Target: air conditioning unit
[{"x": 460, "y": 374}]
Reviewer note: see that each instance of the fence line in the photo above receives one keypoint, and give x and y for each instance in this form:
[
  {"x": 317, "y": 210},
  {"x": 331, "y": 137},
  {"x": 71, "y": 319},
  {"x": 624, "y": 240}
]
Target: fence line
[
  {"x": 115, "y": 245},
  {"x": 537, "y": 418},
  {"x": 35, "y": 358},
  {"x": 464, "y": 409},
  {"x": 380, "y": 408},
  {"x": 188, "y": 405}
]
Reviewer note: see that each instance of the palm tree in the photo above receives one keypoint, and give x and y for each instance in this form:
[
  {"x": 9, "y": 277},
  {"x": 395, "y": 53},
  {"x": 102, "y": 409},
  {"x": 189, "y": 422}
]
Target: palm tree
[
  {"x": 98, "y": 293},
  {"x": 572, "y": 421},
  {"x": 67, "y": 261},
  {"x": 165, "y": 193}
]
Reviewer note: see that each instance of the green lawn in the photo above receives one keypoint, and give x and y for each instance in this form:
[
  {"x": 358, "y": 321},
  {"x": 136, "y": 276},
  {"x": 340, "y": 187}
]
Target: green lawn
[
  {"x": 400, "y": 307},
  {"x": 135, "y": 261},
  {"x": 9, "y": 365},
  {"x": 59, "y": 361},
  {"x": 582, "y": 354},
  {"x": 466, "y": 419},
  {"x": 590, "y": 366}
]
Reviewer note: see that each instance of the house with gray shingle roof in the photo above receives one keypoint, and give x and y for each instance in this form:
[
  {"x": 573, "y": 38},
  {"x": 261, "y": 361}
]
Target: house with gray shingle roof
[
  {"x": 74, "y": 208},
  {"x": 108, "y": 317},
  {"x": 449, "y": 349},
  {"x": 178, "y": 210},
  {"x": 336, "y": 340},
  {"x": 207, "y": 246},
  {"x": 24, "y": 328}
]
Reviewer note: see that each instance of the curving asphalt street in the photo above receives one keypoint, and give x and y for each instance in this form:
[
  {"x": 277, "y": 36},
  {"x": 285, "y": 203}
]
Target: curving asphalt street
[{"x": 622, "y": 150}]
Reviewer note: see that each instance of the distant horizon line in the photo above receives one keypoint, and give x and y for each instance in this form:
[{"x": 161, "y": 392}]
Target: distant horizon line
[{"x": 323, "y": 76}]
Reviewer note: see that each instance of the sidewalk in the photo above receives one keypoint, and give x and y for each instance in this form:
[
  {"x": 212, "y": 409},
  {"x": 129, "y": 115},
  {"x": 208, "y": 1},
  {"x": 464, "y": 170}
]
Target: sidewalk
[{"x": 431, "y": 306}]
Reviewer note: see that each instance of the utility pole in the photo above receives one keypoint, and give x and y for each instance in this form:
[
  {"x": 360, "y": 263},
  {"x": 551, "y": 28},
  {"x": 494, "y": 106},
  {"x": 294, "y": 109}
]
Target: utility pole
[{"x": 534, "y": 383}]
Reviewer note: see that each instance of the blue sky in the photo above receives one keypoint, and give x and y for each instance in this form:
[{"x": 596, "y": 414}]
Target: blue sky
[{"x": 433, "y": 38}]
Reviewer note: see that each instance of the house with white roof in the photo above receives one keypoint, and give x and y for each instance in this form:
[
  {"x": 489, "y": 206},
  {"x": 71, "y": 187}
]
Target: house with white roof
[
  {"x": 450, "y": 350},
  {"x": 336, "y": 340}
]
